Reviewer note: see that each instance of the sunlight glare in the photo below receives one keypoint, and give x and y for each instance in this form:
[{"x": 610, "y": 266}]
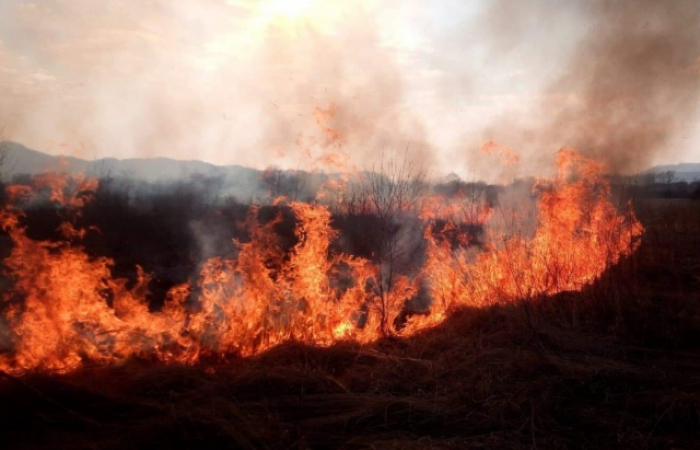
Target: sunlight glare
[{"x": 292, "y": 9}]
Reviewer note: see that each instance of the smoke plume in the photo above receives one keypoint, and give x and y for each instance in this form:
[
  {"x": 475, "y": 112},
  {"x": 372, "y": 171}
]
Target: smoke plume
[
  {"x": 629, "y": 87},
  {"x": 321, "y": 84}
]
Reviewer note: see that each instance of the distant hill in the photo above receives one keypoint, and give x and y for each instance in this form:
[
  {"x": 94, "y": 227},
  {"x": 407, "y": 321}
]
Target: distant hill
[
  {"x": 237, "y": 180},
  {"x": 20, "y": 159},
  {"x": 242, "y": 182},
  {"x": 683, "y": 172}
]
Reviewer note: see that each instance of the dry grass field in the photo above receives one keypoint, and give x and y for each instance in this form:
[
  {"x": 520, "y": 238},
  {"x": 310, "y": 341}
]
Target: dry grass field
[{"x": 616, "y": 365}]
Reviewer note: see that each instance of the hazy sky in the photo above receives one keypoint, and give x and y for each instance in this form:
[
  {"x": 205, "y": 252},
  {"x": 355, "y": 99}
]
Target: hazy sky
[{"x": 293, "y": 82}]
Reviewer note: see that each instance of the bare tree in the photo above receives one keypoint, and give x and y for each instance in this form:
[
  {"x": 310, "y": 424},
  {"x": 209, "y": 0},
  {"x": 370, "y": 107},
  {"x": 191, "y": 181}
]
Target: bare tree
[{"x": 391, "y": 194}]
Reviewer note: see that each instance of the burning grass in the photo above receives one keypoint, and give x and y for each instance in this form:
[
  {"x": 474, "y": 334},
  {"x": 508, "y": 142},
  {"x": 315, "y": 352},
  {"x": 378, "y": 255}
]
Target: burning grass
[
  {"x": 480, "y": 379},
  {"x": 609, "y": 361},
  {"x": 70, "y": 310}
]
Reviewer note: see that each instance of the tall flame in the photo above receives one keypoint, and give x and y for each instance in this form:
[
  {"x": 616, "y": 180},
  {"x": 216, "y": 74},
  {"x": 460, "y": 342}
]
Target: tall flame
[{"x": 66, "y": 309}]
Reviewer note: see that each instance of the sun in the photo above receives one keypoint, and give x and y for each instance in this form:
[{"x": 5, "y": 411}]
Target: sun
[
  {"x": 290, "y": 9},
  {"x": 293, "y": 15}
]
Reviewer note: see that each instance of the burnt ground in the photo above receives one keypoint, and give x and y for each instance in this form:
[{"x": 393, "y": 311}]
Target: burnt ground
[{"x": 614, "y": 366}]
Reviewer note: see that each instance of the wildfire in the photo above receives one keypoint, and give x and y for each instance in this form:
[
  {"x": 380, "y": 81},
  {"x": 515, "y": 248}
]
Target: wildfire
[
  {"x": 66, "y": 309},
  {"x": 506, "y": 154}
]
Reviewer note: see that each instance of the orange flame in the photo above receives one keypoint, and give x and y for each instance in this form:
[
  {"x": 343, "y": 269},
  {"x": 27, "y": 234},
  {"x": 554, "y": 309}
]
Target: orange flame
[
  {"x": 72, "y": 311},
  {"x": 507, "y": 155}
]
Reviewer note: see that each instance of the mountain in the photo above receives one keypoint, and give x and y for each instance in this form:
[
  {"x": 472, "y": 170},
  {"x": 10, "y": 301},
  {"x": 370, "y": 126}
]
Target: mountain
[
  {"x": 20, "y": 159},
  {"x": 682, "y": 172},
  {"x": 242, "y": 182}
]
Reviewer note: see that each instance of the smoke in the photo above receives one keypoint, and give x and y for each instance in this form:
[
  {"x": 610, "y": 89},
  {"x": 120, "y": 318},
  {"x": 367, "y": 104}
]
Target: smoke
[
  {"x": 319, "y": 84},
  {"x": 356, "y": 87},
  {"x": 629, "y": 87},
  {"x": 228, "y": 82}
]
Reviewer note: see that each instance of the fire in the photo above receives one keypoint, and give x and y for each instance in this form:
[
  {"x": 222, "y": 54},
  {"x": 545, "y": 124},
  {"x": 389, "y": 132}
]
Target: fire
[
  {"x": 580, "y": 234},
  {"x": 323, "y": 117},
  {"x": 66, "y": 309},
  {"x": 507, "y": 155}
]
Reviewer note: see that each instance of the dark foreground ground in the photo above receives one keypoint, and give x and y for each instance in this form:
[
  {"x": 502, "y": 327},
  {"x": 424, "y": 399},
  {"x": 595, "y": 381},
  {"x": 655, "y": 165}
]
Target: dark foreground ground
[{"x": 616, "y": 366}]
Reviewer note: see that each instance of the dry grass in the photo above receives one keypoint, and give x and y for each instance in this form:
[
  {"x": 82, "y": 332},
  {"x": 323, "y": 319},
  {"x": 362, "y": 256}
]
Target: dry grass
[{"x": 615, "y": 366}]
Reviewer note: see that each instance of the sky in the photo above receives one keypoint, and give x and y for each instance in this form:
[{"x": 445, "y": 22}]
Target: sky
[{"x": 328, "y": 84}]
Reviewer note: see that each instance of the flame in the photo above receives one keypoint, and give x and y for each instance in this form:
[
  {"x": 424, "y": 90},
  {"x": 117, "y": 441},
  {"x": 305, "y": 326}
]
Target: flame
[
  {"x": 507, "y": 155},
  {"x": 66, "y": 309},
  {"x": 580, "y": 234},
  {"x": 323, "y": 117}
]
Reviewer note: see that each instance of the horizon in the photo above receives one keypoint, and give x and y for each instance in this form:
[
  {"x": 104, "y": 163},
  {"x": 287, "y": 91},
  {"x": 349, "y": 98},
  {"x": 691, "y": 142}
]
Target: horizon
[{"x": 440, "y": 179}]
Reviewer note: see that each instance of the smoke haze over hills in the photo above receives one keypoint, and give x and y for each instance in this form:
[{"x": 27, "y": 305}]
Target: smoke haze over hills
[
  {"x": 316, "y": 84},
  {"x": 242, "y": 182}
]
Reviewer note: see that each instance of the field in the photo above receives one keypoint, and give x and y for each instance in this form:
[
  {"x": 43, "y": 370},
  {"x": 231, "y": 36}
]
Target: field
[
  {"x": 614, "y": 365},
  {"x": 317, "y": 224}
]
